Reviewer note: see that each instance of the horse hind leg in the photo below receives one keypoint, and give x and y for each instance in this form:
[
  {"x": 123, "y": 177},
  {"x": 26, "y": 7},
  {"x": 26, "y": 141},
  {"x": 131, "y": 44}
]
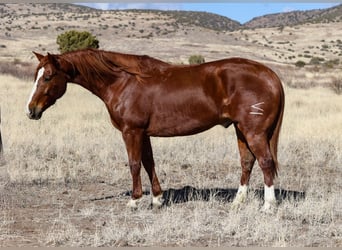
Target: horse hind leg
[
  {"x": 259, "y": 145},
  {"x": 247, "y": 161}
]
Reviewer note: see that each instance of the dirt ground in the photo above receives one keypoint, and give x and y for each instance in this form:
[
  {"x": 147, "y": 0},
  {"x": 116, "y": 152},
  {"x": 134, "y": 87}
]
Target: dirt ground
[
  {"x": 30, "y": 211},
  {"x": 43, "y": 214}
]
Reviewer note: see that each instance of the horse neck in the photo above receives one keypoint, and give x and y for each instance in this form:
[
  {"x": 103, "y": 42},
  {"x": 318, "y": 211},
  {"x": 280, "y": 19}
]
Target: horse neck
[{"x": 96, "y": 85}]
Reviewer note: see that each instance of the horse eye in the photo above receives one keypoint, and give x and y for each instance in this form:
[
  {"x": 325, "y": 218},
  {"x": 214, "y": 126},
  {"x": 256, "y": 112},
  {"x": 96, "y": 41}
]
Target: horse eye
[{"x": 47, "y": 78}]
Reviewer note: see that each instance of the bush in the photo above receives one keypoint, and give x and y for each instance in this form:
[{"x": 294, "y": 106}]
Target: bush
[
  {"x": 74, "y": 40},
  {"x": 196, "y": 59},
  {"x": 316, "y": 60},
  {"x": 300, "y": 64},
  {"x": 331, "y": 63},
  {"x": 336, "y": 85}
]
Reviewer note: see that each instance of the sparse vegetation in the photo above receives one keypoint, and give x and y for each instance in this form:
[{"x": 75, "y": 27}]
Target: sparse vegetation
[
  {"x": 59, "y": 176},
  {"x": 316, "y": 60},
  {"x": 332, "y": 63},
  {"x": 66, "y": 182},
  {"x": 17, "y": 68},
  {"x": 300, "y": 64},
  {"x": 291, "y": 19},
  {"x": 336, "y": 85}
]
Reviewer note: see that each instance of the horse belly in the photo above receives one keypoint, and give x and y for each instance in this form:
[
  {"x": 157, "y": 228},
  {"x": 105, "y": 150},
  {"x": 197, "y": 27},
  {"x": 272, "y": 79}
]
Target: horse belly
[{"x": 180, "y": 123}]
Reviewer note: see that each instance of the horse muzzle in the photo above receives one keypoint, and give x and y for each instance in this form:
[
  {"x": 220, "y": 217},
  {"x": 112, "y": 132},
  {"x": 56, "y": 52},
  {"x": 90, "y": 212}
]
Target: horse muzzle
[{"x": 35, "y": 113}]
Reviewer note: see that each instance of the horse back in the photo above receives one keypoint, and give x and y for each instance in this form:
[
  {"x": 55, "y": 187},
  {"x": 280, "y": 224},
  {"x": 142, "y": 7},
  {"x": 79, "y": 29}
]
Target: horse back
[{"x": 184, "y": 100}]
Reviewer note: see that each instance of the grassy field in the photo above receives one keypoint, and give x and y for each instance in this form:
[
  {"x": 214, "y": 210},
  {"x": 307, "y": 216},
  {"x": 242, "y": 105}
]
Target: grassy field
[{"x": 66, "y": 181}]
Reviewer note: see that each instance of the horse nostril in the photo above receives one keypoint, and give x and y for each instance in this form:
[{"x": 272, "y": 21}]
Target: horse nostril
[
  {"x": 34, "y": 114},
  {"x": 30, "y": 114}
]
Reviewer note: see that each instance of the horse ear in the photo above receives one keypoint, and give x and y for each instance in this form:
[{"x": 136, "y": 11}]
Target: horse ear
[
  {"x": 39, "y": 56},
  {"x": 53, "y": 59}
]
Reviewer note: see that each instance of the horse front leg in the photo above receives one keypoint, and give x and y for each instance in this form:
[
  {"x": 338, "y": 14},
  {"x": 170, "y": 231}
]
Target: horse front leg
[
  {"x": 133, "y": 141},
  {"x": 148, "y": 163}
]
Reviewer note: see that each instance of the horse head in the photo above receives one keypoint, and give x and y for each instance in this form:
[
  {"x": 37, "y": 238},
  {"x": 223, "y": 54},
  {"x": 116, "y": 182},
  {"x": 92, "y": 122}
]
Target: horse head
[{"x": 50, "y": 84}]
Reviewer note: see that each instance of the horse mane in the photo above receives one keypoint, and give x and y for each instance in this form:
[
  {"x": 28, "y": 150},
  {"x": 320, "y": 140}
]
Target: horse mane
[{"x": 94, "y": 64}]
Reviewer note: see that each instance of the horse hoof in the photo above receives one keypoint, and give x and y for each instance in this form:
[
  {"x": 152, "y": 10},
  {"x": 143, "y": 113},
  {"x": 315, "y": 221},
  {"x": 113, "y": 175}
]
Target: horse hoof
[
  {"x": 133, "y": 204},
  {"x": 240, "y": 198},
  {"x": 157, "y": 201},
  {"x": 269, "y": 208},
  {"x": 237, "y": 205}
]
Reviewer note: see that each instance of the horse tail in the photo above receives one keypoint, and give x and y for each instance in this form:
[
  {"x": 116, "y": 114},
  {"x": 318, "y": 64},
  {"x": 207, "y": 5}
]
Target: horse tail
[{"x": 276, "y": 130}]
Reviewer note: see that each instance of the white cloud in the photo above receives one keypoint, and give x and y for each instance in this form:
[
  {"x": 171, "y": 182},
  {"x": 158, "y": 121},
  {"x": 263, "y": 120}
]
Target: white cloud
[
  {"x": 288, "y": 9},
  {"x": 102, "y": 6},
  {"x": 122, "y": 6}
]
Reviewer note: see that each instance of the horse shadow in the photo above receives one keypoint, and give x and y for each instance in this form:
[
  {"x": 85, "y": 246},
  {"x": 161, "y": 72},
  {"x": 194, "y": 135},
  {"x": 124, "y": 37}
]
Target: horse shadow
[{"x": 226, "y": 195}]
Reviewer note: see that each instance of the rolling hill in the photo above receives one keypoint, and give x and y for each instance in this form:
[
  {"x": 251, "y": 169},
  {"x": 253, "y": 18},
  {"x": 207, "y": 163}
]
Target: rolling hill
[
  {"x": 293, "y": 18},
  {"x": 173, "y": 35}
]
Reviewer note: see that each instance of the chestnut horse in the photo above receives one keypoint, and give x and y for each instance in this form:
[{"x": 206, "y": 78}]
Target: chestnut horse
[{"x": 147, "y": 97}]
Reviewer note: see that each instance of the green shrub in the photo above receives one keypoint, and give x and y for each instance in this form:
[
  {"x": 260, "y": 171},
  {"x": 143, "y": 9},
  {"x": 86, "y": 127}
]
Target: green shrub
[
  {"x": 331, "y": 63},
  {"x": 316, "y": 60},
  {"x": 300, "y": 64},
  {"x": 74, "y": 40},
  {"x": 196, "y": 59}
]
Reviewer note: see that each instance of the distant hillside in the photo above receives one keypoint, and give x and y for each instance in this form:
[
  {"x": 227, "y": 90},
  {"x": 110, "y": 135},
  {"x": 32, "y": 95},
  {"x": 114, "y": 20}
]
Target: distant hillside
[
  {"x": 194, "y": 18},
  {"x": 35, "y": 8},
  {"x": 186, "y": 18},
  {"x": 173, "y": 35},
  {"x": 176, "y": 19},
  {"x": 292, "y": 18},
  {"x": 34, "y": 26},
  {"x": 205, "y": 20},
  {"x": 329, "y": 15}
]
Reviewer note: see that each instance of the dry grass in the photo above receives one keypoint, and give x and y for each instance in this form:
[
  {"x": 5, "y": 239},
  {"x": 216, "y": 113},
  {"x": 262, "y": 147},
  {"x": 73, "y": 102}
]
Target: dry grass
[
  {"x": 58, "y": 165},
  {"x": 66, "y": 182},
  {"x": 17, "y": 68}
]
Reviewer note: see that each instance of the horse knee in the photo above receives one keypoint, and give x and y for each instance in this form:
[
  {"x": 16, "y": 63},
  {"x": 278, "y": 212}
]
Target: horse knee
[
  {"x": 268, "y": 168},
  {"x": 246, "y": 173},
  {"x": 134, "y": 166},
  {"x": 247, "y": 163},
  {"x": 266, "y": 163}
]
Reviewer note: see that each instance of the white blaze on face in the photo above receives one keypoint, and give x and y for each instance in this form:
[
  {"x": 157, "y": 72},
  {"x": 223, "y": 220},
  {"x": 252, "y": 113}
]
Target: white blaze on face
[{"x": 39, "y": 75}]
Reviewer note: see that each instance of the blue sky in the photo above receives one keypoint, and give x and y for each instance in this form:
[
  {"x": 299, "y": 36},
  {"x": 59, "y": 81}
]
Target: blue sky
[{"x": 241, "y": 12}]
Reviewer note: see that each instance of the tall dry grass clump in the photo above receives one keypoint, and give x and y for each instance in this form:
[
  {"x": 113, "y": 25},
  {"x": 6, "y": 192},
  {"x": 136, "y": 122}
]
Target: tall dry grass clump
[
  {"x": 74, "y": 149},
  {"x": 336, "y": 85},
  {"x": 23, "y": 70},
  {"x": 313, "y": 76}
]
